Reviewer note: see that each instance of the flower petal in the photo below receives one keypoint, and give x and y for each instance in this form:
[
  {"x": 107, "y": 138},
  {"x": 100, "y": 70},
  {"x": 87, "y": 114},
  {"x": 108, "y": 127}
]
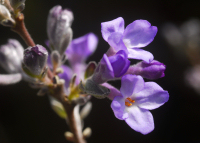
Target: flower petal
[
  {"x": 104, "y": 71},
  {"x": 119, "y": 63},
  {"x": 81, "y": 48},
  {"x": 140, "y": 120},
  {"x": 140, "y": 54},
  {"x": 10, "y": 78},
  {"x": 139, "y": 34},
  {"x": 115, "y": 41},
  {"x": 118, "y": 107},
  {"x": 152, "y": 96},
  {"x": 131, "y": 84},
  {"x": 116, "y": 25}
]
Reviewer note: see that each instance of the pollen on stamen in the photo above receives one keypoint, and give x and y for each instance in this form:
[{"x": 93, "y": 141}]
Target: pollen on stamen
[
  {"x": 129, "y": 99},
  {"x": 128, "y": 104}
]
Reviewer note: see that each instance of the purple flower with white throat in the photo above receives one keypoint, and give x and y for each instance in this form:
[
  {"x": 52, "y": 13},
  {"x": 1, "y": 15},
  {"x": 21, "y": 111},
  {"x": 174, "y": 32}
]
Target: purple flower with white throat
[
  {"x": 137, "y": 98},
  {"x": 136, "y": 35},
  {"x": 111, "y": 67},
  {"x": 153, "y": 70}
]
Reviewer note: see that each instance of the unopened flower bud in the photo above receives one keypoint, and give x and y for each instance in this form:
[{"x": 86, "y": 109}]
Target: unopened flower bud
[
  {"x": 111, "y": 67},
  {"x": 58, "y": 108},
  {"x": 11, "y": 55},
  {"x": 153, "y": 70},
  {"x": 87, "y": 132},
  {"x": 59, "y": 28},
  {"x": 4, "y": 12},
  {"x": 17, "y": 3},
  {"x": 55, "y": 58},
  {"x": 35, "y": 59},
  {"x": 5, "y": 17},
  {"x": 86, "y": 110},
  {"x": 69, "y": 136},
  {"x": 21, "y": 7}
]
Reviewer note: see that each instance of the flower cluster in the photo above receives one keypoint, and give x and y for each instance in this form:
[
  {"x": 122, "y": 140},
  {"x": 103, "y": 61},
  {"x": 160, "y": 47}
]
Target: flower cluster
[{"x": 72, "y": 85}]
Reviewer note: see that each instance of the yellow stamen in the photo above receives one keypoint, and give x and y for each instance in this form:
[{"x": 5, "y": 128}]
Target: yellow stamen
[
  {"x": 128, "y": 104},
  {"x": 130, "y": 100}
]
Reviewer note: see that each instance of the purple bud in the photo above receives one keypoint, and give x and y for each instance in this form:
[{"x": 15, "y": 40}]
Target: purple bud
[
  {"x": 153, "y": 70},
  {"x": 35, "y": 59},
  {"x": 111, "y": 67},
  {"x": 120, "y": 63},
  {"x": 59, "y": 28}
]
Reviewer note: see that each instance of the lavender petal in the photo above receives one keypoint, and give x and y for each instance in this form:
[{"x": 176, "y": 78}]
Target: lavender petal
[
  {"x": 140, "y": 120},
  {"x": 116, "y": 25},
  {"x": 131, "y": 84},
  {"x": 139, "y": 34},
  {"x": 140, "y": 54},
  {"x": 152, "y": 96}
]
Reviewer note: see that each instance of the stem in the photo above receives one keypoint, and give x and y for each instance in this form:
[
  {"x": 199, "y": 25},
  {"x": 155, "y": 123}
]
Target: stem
[
  {"x": 75, "y": 122},
  {"x": 20, "y": 29},
  {"x": 72, "y": 110}
]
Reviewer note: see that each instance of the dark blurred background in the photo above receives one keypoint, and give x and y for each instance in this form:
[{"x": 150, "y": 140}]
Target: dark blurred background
[{"x": 27, "y": 118}]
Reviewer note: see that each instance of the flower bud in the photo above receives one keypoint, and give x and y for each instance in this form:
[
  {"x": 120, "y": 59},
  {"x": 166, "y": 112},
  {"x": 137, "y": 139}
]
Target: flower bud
[
  {"x": 17, "y": 3},
  {"x": 5, "y": 17},
  {"x": 153, "y": 70},
  {"x": 69, "y": 136},
  {"x": 35, "y": 59},
  {"x": 87, "y": 132},
  {"x": 111, "y": 67},
  {"x": 11, "y": 55},
  {"x": 58, "y": 108},
  {"x": 59, "y": 28},
  {"x": 86, "y": 110},
  {"x": 55, "y": 59}
]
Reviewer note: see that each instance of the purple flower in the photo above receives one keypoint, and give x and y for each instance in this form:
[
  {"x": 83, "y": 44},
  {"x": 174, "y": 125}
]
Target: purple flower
[
  {"x": 78, "y": 52},
  {"x": 153, "y": 70},
  {"x": 136, "y": 35},
  {"x": 111, "y": 67},
  {"x": 59, "y": 28},
  {"x": 35, "y": 59},
  {"x": 137, "y": 98},
  {"x": 81, "y": 48}
]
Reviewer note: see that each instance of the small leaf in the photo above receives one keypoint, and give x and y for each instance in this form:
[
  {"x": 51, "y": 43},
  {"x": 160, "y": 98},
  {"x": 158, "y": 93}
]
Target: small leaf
[
  {"x": 94, "y": 89},
  {"x": 58, "y": 108},
  {"x": 90, "y": 69}
]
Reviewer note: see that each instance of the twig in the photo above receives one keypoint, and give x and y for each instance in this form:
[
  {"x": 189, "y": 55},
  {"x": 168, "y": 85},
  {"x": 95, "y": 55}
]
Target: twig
[
  {"x": 74, "y": 123},
  {"x": 20, "y": 29},
  {"x": 70, "y": 108}
]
